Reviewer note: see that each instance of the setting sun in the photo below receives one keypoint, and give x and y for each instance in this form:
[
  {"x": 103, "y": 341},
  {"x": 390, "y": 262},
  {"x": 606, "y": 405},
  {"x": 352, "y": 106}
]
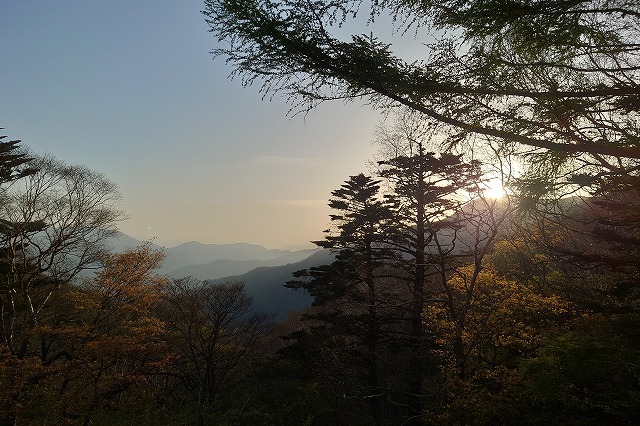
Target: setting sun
[{"x": 493, "y": 188}]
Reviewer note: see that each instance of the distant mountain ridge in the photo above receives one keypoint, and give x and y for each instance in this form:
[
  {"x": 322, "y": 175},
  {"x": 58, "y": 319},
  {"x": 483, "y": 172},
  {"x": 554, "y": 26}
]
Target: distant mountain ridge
[
  {"x": 263, "y": 271},
  {"x": 225, "y": 267},
  {"x": 266, "y": 285},
  {"x": 211, "y": 261}
]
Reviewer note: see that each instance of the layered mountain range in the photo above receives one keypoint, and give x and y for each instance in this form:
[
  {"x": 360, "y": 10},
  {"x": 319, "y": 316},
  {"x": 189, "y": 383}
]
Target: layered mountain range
[{"x": 263, "y": 271}]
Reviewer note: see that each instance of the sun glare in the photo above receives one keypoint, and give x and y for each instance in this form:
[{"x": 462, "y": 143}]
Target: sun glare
[{"x": 494, "y": 189}]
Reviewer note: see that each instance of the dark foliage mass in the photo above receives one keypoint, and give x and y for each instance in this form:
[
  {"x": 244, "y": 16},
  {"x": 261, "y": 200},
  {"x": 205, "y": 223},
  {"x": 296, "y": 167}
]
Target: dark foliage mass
[{"x": 556, "y": 75}]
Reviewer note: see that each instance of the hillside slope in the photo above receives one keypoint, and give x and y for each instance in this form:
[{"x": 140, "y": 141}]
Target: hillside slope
[{"x": 266, "y": 285}]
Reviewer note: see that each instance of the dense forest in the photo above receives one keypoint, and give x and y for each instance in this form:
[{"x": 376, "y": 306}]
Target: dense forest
[{"x": 444, "y": 304}]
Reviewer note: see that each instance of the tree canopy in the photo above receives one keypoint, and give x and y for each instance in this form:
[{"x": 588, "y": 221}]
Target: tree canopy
[
  {"x": 557, "y": 78},
  {"x": 13, "y": 161}
]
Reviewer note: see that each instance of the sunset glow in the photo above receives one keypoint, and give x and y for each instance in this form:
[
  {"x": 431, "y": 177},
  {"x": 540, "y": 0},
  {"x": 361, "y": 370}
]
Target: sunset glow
[{"x": 494, "y": 188}]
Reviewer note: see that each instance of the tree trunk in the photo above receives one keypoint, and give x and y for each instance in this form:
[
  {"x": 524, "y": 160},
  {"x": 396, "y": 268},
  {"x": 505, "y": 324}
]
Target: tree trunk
[
  {"x": 414, "y": 404},
  {"x": 375, "y": 396}
]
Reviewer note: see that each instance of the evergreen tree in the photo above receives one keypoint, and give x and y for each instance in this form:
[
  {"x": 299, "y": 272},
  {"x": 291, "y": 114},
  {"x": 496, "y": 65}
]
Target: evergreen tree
[
  {"x": 14, "y": 165},
  {"x": 351, "y": 286},
  {"x": 13, "y": 161},
  {"x": 394, "y": 253},
  {"x": 423, "y": 199}
]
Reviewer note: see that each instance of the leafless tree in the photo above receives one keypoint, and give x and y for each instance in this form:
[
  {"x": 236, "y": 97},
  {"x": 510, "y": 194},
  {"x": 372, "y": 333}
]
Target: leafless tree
[
  {"x": 214, "y": 336},
  {"x": 59, "y": 220}
]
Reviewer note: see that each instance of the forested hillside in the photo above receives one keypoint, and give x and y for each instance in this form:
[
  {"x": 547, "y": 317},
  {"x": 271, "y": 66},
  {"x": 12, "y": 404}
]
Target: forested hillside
[{"x": 265, "y": 285}]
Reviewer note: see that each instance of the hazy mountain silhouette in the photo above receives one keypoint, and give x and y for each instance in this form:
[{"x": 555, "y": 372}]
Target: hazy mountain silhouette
[
  {"x": 210, "y": 261},
  {"x": 264, "y": 272},
  {"x": 123, "y": 242},
  {"x": 266, "y": 285},
  {"x": 226, "y": 267}
]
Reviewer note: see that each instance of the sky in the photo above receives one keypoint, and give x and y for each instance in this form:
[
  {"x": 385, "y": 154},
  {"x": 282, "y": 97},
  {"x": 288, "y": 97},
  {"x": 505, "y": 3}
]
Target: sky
[{"x": 129, "y": 89}]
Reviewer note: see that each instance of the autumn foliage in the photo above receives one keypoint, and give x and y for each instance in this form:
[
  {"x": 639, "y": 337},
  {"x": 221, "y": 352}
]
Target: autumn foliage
[{"x": 116, "y": 343}]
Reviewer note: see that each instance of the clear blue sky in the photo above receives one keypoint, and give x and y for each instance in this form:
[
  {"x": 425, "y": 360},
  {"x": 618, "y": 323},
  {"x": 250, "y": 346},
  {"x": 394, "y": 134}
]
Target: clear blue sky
[{"x": 129, "y": 89}]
